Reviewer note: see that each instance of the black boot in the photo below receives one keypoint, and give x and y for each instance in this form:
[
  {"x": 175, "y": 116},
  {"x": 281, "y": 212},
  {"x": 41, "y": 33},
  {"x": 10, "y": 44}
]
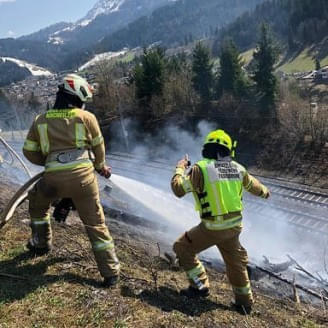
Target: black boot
[
  {"x": 37, "y": 250},
  {"x": 242, "y": 309},
  {"x": 110, "y": 281},
  {"x": 192, "y": 292}
]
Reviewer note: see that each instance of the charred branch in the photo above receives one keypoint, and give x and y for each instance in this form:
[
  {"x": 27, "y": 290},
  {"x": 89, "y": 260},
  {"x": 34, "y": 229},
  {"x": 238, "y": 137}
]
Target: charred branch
[
  {"x": 304, "y": 289},
  {"x": 298, "y": 267}
]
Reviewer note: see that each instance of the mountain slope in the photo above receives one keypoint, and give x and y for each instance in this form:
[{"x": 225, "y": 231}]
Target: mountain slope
[
  {"x": 104, "y": 18},
  {"x": 37, "y": 52},
  {"x": 64, "y": 45},
  {"x": 46, "y": 33},
  {"x": 11, "y": 72},
  {"x": 175, "y": 23},
  {"x": 296, "y": 23}
]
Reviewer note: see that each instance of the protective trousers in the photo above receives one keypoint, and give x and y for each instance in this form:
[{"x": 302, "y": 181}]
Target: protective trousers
[
  {"x": 80, "y": 185},
  {"x": 234, "y": 255}
]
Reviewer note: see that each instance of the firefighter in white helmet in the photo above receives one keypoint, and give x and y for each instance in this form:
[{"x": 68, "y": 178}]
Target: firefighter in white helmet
[
  {"x": 217, "y": 183},
  {"x": 61, "y": 140}
]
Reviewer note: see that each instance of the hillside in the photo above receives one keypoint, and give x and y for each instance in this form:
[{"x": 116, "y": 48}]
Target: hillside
[
  {"x": 298, "y": 25},
  {"x": 129, "y": 23},
  {"x": 64, "y": 45},
  {"x": 104, "y": 18},
  {"x": 11, "y": 72},
  {"x": 178, "y": 23},
  {"x": 304, "y": 60},
  {"x": 35, "y": 52},
  {"x": 62, "y": 290}
]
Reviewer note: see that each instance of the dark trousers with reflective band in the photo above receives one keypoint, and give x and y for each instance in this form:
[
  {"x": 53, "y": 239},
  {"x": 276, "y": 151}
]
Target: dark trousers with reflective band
[
  {"x": 80, "y": 185},
  {"x": 234, "y": 255}
]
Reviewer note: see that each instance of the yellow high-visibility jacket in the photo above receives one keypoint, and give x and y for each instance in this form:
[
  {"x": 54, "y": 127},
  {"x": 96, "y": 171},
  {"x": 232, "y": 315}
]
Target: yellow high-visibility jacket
[{"x": 194, "y": 182}]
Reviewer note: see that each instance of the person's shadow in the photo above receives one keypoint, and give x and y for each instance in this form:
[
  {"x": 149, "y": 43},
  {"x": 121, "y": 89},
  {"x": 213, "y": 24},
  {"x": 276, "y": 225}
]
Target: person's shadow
[
  {"x": 18, "y": 278},
  {"x": 167, "y": 299}
]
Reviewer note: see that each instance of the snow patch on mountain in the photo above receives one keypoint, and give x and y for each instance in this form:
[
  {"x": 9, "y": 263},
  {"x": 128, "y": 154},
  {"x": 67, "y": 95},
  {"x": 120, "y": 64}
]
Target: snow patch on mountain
[
  {"x": 103, "y": 56},
  {"x": 103, "y": 7},
  {"x": 34, "y": 69},
  {"x": 130, "y": 10},
  {"x": 55, "y": 40}
]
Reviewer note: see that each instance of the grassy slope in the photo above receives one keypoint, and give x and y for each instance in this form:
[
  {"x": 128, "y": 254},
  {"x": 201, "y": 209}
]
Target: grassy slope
[
  {"x": 61, "y": 289},
  {"x": 302, "y": 62},
  {"x": 247, "y": 55}
]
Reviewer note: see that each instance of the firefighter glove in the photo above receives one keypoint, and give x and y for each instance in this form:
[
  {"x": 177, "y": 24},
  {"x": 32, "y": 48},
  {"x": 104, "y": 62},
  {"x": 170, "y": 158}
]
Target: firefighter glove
[
  {"x": 106, "y": 171},
  {"x": 62, "y": 209}
]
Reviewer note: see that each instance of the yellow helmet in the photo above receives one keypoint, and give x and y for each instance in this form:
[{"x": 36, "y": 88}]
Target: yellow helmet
[{"x": 222, "y": 138}]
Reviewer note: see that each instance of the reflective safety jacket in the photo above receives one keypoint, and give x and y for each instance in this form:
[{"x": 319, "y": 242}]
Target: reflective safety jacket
[
  {"x": 217, "y": 187},
  {"x": 62, "y": 130}
]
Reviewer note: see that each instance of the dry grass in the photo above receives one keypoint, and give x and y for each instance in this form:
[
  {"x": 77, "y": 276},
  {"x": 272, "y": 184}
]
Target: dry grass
[{"x": 62, "y": 289}]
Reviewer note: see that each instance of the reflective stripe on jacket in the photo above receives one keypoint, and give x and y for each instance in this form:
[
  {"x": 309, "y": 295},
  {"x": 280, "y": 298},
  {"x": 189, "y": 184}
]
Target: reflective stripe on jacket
[
  {"x": 63, "y": 130},
  {"x": 222, "y": 194}
]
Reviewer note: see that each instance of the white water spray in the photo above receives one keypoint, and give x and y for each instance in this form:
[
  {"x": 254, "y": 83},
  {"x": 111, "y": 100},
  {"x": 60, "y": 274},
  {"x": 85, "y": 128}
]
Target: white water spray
[
  {"x": 260, "y": 236},
  {"x": 164, "y": 207}
]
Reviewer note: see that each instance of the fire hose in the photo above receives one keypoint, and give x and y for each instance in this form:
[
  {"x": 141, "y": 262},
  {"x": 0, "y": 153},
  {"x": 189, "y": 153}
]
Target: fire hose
[
  {"x": 19, "y": 197},
  {"x": 11, "y": 151}
]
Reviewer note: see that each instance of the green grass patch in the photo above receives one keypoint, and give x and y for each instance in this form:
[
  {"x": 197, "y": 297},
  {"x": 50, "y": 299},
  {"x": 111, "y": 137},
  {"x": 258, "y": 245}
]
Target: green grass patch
[
  {"x": 13, "y": 252},
  {"x": 128, "y": 57},
  {"x": 305, "y": 323},
  {"x": 55, "y": 301},
  {"x": 120, "y": 324},
  {"x": 247, "y": 55},
  {"x": 303, "y": 62}
]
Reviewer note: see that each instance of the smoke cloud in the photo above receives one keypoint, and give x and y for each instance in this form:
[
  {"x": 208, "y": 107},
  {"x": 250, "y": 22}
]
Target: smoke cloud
[
  {"x": 265, "y": 232},
  {"x": 143, "y": 181}
]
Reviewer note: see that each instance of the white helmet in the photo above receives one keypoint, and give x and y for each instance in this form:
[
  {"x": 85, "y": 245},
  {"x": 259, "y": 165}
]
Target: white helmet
[{"x": 78, "y": 86}]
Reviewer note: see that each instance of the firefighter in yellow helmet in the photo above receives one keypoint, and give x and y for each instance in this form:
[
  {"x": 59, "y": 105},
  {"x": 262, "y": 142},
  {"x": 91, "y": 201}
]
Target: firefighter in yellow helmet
[
  {"x": 217, "y": 183},
  {"x": 61, "y": 140}
]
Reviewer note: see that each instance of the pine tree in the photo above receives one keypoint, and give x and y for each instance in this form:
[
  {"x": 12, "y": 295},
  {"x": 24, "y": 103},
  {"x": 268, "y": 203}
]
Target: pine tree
[
  {"x": 317, "y": 63},
  {"x": 202, "y": 75},
  {"x": 231, "y": 77},
  {"x": 149, "y": 75},
  {"x": 265, "y": 57}
]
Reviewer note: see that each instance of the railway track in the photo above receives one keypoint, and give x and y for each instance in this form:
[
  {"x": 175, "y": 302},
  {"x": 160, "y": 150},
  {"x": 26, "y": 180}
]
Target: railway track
[
  {"x": 279, "y": 187},
  {"x": 274, "y": 212},
  {"x": 299, "y": 205},
  {"x": 302, "y": 193}
]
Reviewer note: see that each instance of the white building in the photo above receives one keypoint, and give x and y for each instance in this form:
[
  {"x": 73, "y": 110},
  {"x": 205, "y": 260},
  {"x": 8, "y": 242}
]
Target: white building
[{"x": 323, "y": 73}]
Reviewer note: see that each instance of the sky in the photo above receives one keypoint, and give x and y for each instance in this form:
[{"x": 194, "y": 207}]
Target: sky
[{"x": 21, "y": 17}]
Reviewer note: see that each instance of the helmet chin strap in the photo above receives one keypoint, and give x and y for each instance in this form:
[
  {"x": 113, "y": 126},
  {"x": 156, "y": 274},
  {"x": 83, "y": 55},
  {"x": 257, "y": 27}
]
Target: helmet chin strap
[{"x": 233, "y": 149}]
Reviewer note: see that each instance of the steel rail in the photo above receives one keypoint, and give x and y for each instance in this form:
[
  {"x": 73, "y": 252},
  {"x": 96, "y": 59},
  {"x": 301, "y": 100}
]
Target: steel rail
[
  {"x": 279, "y": 187},
  {"x": 289, "y": 212},
  {"x": 299, "y": 219}
]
